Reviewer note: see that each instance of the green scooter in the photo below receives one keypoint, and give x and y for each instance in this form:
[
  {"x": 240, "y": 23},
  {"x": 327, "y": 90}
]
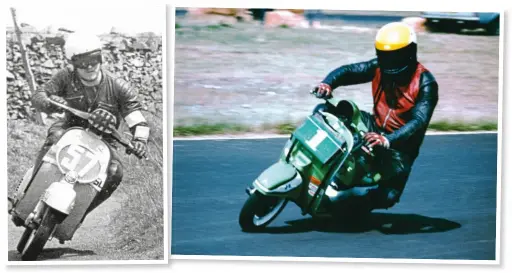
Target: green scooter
[{"x": 325, "y": 148}]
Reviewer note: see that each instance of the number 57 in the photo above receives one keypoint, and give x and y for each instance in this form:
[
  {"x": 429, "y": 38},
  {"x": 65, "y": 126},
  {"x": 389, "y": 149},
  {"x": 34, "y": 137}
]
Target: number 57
[{"x": 73, "y": 157}]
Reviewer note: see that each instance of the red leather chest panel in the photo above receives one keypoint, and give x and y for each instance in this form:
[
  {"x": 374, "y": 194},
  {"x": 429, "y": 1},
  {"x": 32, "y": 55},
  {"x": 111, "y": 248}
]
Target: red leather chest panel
[{"x": 388, "y": 118}]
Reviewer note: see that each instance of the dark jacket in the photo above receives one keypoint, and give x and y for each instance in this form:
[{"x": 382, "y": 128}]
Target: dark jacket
[
  {"x": 404, "y": 113},
  {"x": 112, "y": 94}
]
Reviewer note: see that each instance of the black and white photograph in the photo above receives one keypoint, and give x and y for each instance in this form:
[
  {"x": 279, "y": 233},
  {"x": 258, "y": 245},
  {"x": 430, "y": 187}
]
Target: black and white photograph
[
  {"x": 337, "y": 135},
  {"x": 85, "y": 133}
]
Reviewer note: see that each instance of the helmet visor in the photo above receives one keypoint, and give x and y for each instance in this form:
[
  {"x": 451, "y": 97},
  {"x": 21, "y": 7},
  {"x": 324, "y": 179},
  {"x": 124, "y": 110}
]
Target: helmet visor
[
  {"x": 85, "y": 61},
  {"x": 396, "y": 61},
  {"x": 392, "y": 62}
]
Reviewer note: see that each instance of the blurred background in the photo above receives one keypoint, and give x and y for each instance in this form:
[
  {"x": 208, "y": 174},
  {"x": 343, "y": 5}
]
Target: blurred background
[{"x": 252, "y": 69}]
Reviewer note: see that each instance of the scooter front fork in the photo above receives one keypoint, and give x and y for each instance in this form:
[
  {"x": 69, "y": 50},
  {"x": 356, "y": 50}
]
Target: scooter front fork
[{"x": 34, "y": 218}]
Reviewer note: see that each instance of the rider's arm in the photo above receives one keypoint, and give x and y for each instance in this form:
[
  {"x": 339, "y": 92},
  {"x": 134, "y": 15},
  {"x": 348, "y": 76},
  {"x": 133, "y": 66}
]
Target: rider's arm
[
  {"x": 54, "y": 86},
  {"x": 422, "y": 111},
  {"x": 350, "y": 74},
  {"x": 131, "y": 111}
]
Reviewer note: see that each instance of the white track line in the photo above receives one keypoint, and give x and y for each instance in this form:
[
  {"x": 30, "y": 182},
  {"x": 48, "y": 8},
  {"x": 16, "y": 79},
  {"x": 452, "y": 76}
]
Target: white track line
[{"x": 271, "y": 136}]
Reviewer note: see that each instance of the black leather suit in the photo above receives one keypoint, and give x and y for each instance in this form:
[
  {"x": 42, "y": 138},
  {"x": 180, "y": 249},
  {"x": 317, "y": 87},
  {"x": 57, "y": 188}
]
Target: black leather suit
[
  {"x": 410, "y": 125},
  {"x": 113, "y": 95}
]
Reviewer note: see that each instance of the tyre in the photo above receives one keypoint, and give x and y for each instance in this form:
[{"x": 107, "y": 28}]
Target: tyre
[
  {"x": 259, "y": 210},
  {"x": 33, "y": 240},
  {"x": 23, "y": 240}
]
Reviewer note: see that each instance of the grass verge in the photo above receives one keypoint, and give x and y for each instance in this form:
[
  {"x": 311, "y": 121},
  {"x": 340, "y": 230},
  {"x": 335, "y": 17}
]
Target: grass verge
[
  {"x": 288, "y": 127},
  {"x": 464, "y": 126},
  {"x": 141, "y": 219}
]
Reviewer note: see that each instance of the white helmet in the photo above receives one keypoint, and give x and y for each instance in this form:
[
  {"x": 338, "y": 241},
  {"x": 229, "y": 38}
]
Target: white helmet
[{"x": 81, "y": 43}]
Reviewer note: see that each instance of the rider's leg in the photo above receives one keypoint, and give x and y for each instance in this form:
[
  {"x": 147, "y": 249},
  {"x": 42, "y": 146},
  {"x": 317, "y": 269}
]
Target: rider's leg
[
  {"x": 114, "y": 178},
  {"x": 55, "y": 132},
  {"x": 395, "y": 168}
]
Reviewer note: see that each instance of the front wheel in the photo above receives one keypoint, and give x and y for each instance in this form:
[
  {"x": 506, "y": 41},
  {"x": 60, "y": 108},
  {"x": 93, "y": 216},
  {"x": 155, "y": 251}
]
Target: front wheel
[
  {"x": 259, "y": 210},
  {"x": 33, "y": 240}
]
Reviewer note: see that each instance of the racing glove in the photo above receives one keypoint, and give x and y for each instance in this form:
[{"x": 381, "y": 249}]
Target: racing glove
[
  {"x": 374, "y": 139},
  {"x": 139, "y": 148},
  {"x": 322, "y": 91},
  {"x": 103, "y": 120},
  {"x": 42, "y": 102}
]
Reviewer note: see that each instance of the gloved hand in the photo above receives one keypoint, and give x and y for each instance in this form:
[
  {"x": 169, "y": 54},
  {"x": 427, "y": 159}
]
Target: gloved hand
[
  {"x": 323, "y": 90},
  {"x": 42, "y": 101},
  {"x": 58, "y": 99},
  {"x": 139, "y": 149},
  {"x": 373, "y": 139},
  {"x": 103, "y": 120}
]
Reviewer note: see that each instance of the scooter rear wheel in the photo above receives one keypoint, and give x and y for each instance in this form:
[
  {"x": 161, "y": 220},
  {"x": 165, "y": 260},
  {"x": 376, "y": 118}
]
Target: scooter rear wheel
[{"x": 259, "y": 211}]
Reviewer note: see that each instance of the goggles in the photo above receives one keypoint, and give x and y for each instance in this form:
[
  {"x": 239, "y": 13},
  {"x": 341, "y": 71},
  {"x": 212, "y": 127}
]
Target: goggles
[{"x": 84, "y": 61}]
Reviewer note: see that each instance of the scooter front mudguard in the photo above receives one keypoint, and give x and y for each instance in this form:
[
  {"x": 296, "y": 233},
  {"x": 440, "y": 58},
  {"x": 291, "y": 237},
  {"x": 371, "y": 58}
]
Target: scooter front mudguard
[
  {"x": 281, "y": 179},
  {"x": 60, "y": 197}
]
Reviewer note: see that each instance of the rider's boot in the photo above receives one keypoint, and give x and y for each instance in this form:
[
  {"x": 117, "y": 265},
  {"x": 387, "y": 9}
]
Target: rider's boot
[{"x": 384, "y": 198}]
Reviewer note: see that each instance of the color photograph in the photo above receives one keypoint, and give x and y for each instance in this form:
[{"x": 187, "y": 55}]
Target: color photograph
[{"x": 344, "y": 135}]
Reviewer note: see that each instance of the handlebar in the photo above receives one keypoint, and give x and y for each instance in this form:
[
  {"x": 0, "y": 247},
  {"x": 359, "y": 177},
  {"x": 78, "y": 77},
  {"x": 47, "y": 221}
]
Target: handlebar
[
  {"x": 363, "y": 146},
  {"x": 115, "y": 134},
  {"x": 312, "y": 92}
]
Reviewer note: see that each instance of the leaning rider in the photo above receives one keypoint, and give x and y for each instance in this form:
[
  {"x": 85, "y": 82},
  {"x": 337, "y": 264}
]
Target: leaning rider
[{"x": 405, "y": 94}]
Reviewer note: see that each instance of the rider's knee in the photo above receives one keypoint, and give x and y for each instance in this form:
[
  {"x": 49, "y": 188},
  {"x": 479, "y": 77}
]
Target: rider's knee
[
  {"x": 115, "y": 171},
  {"x": 385, "y": 197},
  {"x": 392, "y": 197},
  {"x": 402, "y": 170},
  {"x": 54, "y": 135}
]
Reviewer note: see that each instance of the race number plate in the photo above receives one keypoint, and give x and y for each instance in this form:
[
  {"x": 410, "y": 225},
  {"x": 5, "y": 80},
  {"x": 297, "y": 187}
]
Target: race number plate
[
  {"x": 315, "y": 136},
  {"x": 80, "y": 159}
]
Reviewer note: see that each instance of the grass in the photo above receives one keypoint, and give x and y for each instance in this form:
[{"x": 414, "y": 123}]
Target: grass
[
  {"x": 464, "y": 126},
  {"x": 138, "y": 226},
  {"x": 24, "y": 141},
  {"x": 141, "y": 221},
  {"x": 289, "y": 127},
  {"x": 205, "y": 129},
  {"x": 218, "y": 26}
]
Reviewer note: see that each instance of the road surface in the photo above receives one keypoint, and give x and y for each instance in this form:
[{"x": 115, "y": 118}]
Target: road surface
[{"x": 448, "y": 210}]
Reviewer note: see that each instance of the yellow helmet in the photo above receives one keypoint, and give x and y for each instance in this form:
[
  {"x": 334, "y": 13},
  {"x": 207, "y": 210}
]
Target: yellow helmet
[{"x": 396, "y": 47}]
